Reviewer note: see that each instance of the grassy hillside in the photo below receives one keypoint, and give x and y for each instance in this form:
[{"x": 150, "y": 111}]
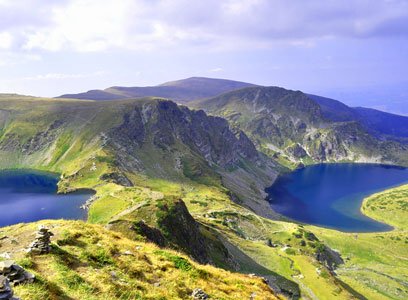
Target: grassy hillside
[{"x": 89, "y": 262}]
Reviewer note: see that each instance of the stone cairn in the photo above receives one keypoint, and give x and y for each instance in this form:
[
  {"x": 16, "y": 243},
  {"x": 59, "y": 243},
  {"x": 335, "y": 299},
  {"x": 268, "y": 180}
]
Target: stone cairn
[
  {"x": 5, "y": 289},
  {"x": 14, "y": 273},
  {"x": 41, "y": 244}
]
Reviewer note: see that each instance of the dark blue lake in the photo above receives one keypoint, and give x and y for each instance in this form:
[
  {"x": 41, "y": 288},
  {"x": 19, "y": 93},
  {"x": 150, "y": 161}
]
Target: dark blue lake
[
  {"x": 330, "y": 195},
  {"x": 28, "y": 196}
]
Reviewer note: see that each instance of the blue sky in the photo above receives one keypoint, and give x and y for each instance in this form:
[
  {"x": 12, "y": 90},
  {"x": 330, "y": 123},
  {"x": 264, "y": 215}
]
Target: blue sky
[{"x": 355, "y": 51}]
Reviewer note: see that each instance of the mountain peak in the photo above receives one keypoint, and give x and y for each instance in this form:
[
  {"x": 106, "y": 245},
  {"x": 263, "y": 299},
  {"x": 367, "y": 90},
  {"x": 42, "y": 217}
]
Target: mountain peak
[{"x": 183, "y": 90}]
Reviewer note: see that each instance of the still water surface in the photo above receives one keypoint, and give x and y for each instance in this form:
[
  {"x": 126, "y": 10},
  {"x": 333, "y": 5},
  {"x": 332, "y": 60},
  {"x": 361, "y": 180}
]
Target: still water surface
[
  {"x": 28, "y": 196},
  {"x": 330, "y": 195}
]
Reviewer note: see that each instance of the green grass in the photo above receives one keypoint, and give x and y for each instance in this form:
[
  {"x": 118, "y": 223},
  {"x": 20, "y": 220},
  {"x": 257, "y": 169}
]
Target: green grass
[
  {"x": 390, "y": 206},
  {"x": 87, "y": 262}
]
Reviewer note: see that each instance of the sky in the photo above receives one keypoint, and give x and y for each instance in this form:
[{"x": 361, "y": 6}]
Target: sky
[{"x": 354, "y": 51}]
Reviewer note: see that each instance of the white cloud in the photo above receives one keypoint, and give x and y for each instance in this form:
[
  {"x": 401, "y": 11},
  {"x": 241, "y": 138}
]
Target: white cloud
[
  {"x": 6, "y": 40},
  {"x": 11, "y": 58},
  {"x": 59, "y": 76},
  {"x": 99, "y": 25},
  {"x": 216, "y": 70}
]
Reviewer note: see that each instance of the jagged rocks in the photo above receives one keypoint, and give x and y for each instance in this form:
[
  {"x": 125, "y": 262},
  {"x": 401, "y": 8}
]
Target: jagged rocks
[
  {"x": 152, "y": 234},
  {"x": 296, "y": 151},
  {"x": 199, "y": 294},
  {"x": 118, "y": 178},
  {"x": 15, "y": 273},
  {"x": 329, "y": 258},
  {"x": 41, "y": 244}
]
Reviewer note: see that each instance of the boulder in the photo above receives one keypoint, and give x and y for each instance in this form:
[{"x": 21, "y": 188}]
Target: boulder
[{"x": 199, "y": 294}]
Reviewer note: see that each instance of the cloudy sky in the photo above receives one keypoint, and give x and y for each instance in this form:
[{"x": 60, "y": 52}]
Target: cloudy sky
[{"x": 355, "y": 51}]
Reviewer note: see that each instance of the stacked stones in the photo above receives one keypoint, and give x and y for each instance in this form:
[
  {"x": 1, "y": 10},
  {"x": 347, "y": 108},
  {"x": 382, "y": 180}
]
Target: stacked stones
[
  {"x": 14, "y": 273},
  {"x": 41, "y": 244},
  {"x": 5, "y": 290}
]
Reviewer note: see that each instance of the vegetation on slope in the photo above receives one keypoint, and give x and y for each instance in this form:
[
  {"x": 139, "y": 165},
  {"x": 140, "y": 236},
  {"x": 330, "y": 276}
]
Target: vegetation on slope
[
  {"x": 89, "y": 262},
  {"x": 390, "y": 206}
]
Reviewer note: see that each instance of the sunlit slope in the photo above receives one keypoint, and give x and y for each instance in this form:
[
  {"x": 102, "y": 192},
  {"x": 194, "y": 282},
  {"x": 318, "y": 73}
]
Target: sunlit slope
[{"x": 89, "y": 262}]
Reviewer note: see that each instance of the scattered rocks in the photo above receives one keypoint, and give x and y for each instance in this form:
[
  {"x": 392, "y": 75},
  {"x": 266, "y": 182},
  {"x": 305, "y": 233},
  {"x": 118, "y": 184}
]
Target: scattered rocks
[
  {"x": 93, "y": 167},
  {"x": 41, "y": 244},
  {"x": 14, "y": 273},
  {"x": 199, "y": 294},
  {"x": 5, "y": 289},
  {"x": 5, "y": 255},
  {"x": 88, "y": 203}
]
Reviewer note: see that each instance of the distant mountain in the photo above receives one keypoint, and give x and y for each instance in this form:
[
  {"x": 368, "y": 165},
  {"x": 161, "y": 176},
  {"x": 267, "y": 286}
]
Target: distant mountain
[
  {"x": 377, "y": 122},
  {"x": 181, "y": 90},
  {"x": 294, "y": 127}
]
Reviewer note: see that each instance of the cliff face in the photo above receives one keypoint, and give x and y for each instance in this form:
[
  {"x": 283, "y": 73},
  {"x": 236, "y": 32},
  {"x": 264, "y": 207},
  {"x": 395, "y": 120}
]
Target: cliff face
[
  {"x": 166, "y": 125},
  {"x": 291, "y": 126}
]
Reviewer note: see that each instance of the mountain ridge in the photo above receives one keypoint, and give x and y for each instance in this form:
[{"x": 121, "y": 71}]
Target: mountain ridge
[
  {"x": 183, "y": 90},
  {"x": 295, "y": 127}
]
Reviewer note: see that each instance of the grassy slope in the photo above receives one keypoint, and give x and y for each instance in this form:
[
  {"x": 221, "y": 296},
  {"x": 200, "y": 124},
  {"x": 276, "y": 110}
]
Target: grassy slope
[{"x": 89, "y": 262}]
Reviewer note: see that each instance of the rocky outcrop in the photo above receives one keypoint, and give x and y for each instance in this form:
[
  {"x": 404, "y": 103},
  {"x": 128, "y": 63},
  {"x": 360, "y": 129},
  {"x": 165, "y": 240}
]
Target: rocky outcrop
[
  {"x": 165, "y": 123},
  {"x": 296, "y": 151},
  {"x": 180, "y": 228},
  {"x": 152, "y": 234},
  {"x": 328, "y": 257},
  {"x": 116, "y": 177}
]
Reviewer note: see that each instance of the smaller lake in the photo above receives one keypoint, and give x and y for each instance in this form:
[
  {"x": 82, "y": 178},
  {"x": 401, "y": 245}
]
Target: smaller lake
[
  {"x": 28, "y": 196},
  {"x": 330, "y": 195}
]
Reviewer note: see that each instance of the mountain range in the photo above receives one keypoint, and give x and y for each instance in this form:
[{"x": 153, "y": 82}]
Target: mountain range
[
  {"x": 180, "y": 90},
  {"x": 291, "y": 126}
]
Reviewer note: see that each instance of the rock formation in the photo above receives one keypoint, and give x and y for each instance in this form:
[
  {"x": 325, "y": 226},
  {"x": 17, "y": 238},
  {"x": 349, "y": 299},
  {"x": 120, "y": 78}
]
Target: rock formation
[
  {"x": 5, "y": 290},
  {"x": 41, "y": 244},
  {"x": 14, "y": 273}
]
